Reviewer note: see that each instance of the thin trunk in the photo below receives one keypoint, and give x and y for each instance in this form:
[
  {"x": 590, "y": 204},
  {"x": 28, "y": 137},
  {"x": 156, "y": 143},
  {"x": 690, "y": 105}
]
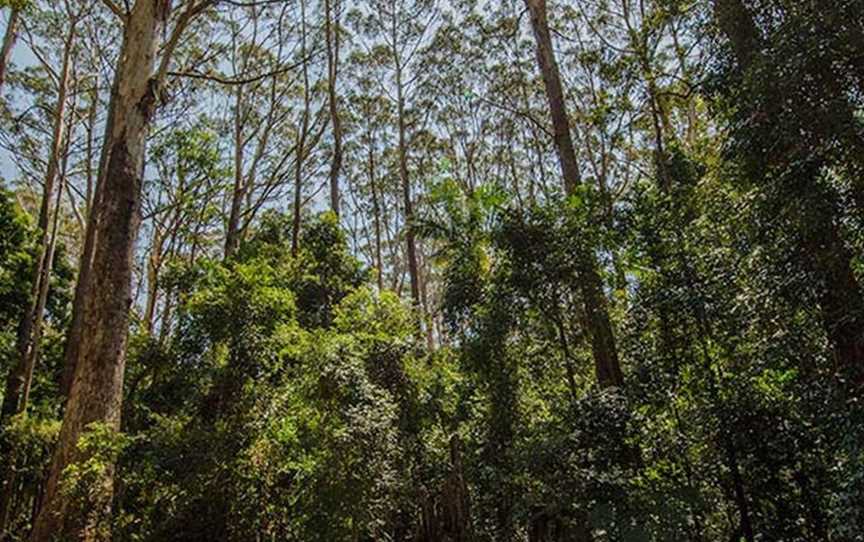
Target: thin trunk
[
  {"x": 376, "y": 215},
  {"x": 88, "y": 163},
  {"x": 232, "y": 234},
  {"x": 568, "y": 354},
  {"x": 599, "y": 326},
  {"x": 9, "y": 42},
  {"x": 30, "y": 330},
  {"x": 746, "y": 527},
  {"x": 154, "y": 264},
  {"x": 331, "y": 34},
  {"x": 424, "y": 299},
  {"x": 301, "y": 142},
  {"x": 17, "y": 376},
  {"x": 413, "y": 271},
  {"x": 44, "y": 288},
  {"x": 10, "y": 478},
  {"x": 96, "y": 390}
]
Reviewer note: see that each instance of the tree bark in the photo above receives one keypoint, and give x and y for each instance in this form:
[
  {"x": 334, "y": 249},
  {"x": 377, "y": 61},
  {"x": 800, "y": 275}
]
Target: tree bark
[
  {"x": 154, "y": 266},
  {"x": 9, "y": 42},
  {"x": 413, "y": 270},
  {"x": 736, "y": 21},
  {"x": 376, "y": 214},
  {"x": 232, "y": 233},
  {"x": 20, "y": 377},
  {"x": 331, "y": 34},
  {"x": 96, "y": 389},
  {"x": 76, "y": 325},
  {"x": 301, "y": 141},
  {"x": 17, "y": 376},
  {"x": 604, "y": 351},
  {"x": 31, "y": 354}
]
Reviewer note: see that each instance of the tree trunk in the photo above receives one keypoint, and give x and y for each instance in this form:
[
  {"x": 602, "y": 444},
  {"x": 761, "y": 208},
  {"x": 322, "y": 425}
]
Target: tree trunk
[
  {"x": 31, "y": 358},
  {"x": 89, "y": 150},
  {"x": 331, "y": 35},
  {"x": 746, "y": 526},
  {"x": 232, "y": 232},
  {"x": 76, "y": 325},
  {"x": 301, "y": 142},
  {"x": 413, "y": 271},
  {"x": 376, "y": 214},
  {"x": 9, "y": 42},
  {"x": 738, "y": 25},
  {"x": 154, "y": 265},
  {"x": 45, "y": 278},
  {"x": 603, "y": 347},
  {"x": 17, "y": 375},
  {"x": 20, "y": 377},
  {"x": 96, "y": 390}
]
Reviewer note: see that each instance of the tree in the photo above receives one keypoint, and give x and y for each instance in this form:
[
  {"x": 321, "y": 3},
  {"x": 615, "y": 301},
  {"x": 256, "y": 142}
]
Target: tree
[
  {"x": 331, "y": 36},
  {"x": 20, "y": 378},
  {"x": 397, "y": 33},
  {"x": 103, "y": 296},
  {"x": 9, "y": 36},
  {"x": 262, "y": 86},
  {"x": 597, "y": 318}
]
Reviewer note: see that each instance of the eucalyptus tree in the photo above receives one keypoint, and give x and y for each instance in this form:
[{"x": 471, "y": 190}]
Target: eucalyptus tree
[
  {"x": 332, "y": 39},
  {"x": 598, "y": 323},
  {"x": 103, "y": 293},
  {"x": 394, "y": 33},
  {"x": 180, "y": 208},
  {"x": 267, "y": 75},
  {"x": 312, "y": 124},
  {"x": 368, "y": 134},
  {"x": 30, "y": 330},
  {"x": 19, "y": 380},
  {"x": 50, "y": 83},
  {"x": 10, "y": 35}
]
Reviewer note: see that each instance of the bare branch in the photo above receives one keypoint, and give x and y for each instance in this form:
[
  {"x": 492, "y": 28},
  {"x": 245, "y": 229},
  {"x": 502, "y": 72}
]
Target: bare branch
[
  {"x": 192, "y": 11},
  {"x": 117, "y": 10},
  {"x": 239, "y": 81}
]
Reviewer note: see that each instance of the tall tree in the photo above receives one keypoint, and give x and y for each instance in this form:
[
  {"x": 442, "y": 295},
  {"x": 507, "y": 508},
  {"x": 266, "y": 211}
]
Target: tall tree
[
  {"x": 95, "y": 393},
  {"x": 20, "y": 377},
  {"x": 397, "y": 31},
  {"x": 308, "y": 136},
  {"x": 599, "y": 326},
  {"x": 261, "y": 87},
  {"x": 25, "y": 339},
  {"x": 9, "y": 38},
  {"x": 331, "y": 36}
]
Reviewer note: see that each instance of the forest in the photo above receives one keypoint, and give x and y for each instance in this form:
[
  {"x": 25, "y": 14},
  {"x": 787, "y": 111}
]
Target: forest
[{"x": 432, "y": 270}]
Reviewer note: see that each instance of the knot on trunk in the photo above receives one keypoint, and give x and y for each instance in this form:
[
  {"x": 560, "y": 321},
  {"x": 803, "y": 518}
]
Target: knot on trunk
[{"x": 153, "y": 97}]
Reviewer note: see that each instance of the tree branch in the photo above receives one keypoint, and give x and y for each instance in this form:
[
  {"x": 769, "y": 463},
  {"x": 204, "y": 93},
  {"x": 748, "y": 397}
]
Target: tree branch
[
  {"x": 192, "y": 11},
  {"x": 240, "y": 81},
  {"x": 117, "y": 10}
]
